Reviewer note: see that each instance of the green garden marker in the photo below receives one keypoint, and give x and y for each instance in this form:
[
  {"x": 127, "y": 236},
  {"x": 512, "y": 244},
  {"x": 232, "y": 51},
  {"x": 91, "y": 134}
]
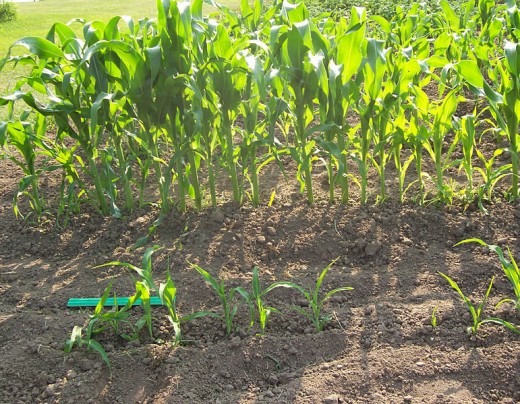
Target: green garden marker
[{"x": 121, "y": 301}]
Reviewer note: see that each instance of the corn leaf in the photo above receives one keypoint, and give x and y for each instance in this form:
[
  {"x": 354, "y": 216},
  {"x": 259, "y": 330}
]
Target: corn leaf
[{"x": 41, "y": 47}]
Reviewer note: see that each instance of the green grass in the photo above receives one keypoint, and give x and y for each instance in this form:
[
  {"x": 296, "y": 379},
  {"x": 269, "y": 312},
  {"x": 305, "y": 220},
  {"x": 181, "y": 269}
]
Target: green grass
[{"x": 35, "y": 19}]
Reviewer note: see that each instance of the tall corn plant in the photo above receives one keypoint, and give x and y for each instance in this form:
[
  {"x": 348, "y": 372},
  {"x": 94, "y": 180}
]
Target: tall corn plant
[
  {"x": 510, "y": 107},
  {"x": 228, "y": 81},
  {"x": 465, "y": 131},
  {"x": 400, "y": 139},
  {"x": 238, "y": 79},
  {"x": 501, "y": 90},
  {"x": 28, "y": 140},
  {"x": 82, "y": 84},
  {"x": 505, "y": 103},
  {"x": 205, "y": 107},
  {"x": 108, "y": 68},
  {"x": 163, "y": 104},
  {"x": 369, "y": 106},
  {"x": 442, "y": 123},
  {"x": 409, "y": 36},
  {"x": 256, "y": 134},
  {"x": 419, "y": 134},
  {"x": 175, "y": 97},
  {"x": 228, "y": 76},
  {"x": 340, "y": 92},
  {"x": 299, "y": 53}
]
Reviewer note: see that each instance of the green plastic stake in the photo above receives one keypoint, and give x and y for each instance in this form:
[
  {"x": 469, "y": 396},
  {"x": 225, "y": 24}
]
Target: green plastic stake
[{"x": 121, "y": 301}]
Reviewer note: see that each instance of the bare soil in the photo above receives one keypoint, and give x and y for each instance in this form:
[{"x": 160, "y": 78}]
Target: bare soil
[{"x": 380, "y": 346}]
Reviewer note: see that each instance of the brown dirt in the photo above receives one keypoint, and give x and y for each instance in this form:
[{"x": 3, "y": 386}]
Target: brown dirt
[{"x": 380, "y": 346}]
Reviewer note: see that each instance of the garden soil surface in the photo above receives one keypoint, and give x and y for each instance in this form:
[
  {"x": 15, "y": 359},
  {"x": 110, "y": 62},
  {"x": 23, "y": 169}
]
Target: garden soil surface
[{"x": 379, "y": 347}]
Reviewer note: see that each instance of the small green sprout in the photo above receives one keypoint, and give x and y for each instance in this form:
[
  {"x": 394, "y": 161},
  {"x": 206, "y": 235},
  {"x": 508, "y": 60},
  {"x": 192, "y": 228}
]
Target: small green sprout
[
  {"x": 316, "y": 303},
  {"x": 144, "y": 285},
  {"x": 99, "y": 322},
  {"x": 226, "y": 298},
  {"x": 255, "y": 299},
  {"x": 476, "y": 312},
  {"x": 510, "y": 269},
  {"x": 434, "y": 317}
]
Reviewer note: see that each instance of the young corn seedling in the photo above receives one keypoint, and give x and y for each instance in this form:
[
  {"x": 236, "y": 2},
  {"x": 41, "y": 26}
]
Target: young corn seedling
[
  {"x": 255, "y": 299},
  {"x": 510, "y": 269},
  {"x": 99, "y": 322},
  {"x": 476, "y": 312},
  {"x": 168, "y": 295},
  {"x": 144, "y": 285},
  {"x": 465, "y": 131},
  {"x": 226, "y": 297},
  {"x": 441, "y": 125},
  {"x": 504, "y": 104},
  {"x": 167, "y": 292},
  {"x": 433, "y": 320},
  {"x": 112, "y": 319},
  {"x": 80, "y": 339},
  {"x": 263, "y": 311},
  {"x": 316, "y": 302},
  {"x": 490, "y": 176}
]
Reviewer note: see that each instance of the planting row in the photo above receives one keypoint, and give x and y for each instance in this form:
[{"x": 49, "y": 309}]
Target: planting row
[
  {"x": 230, "y": 300},
  {"x": 254, "y": 300},
  {"x": 170, "y": 104}
]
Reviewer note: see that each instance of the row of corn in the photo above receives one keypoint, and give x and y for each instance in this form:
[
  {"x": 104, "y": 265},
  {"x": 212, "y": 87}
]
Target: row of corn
[{"x": 177, "y": 104}]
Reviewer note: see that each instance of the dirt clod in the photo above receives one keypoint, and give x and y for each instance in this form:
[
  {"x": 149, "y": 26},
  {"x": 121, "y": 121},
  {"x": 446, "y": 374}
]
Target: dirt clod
[
  {"x": 218, "y": 216},
  {"x": 85, "y": 365},
  {"x": 331, "y": 399},
  {"x": 50, "y": 391},
  {"x": 271, "y": 231},
  {"x": 372, "y": 248},
  {"x": 261, "y": 239}
]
